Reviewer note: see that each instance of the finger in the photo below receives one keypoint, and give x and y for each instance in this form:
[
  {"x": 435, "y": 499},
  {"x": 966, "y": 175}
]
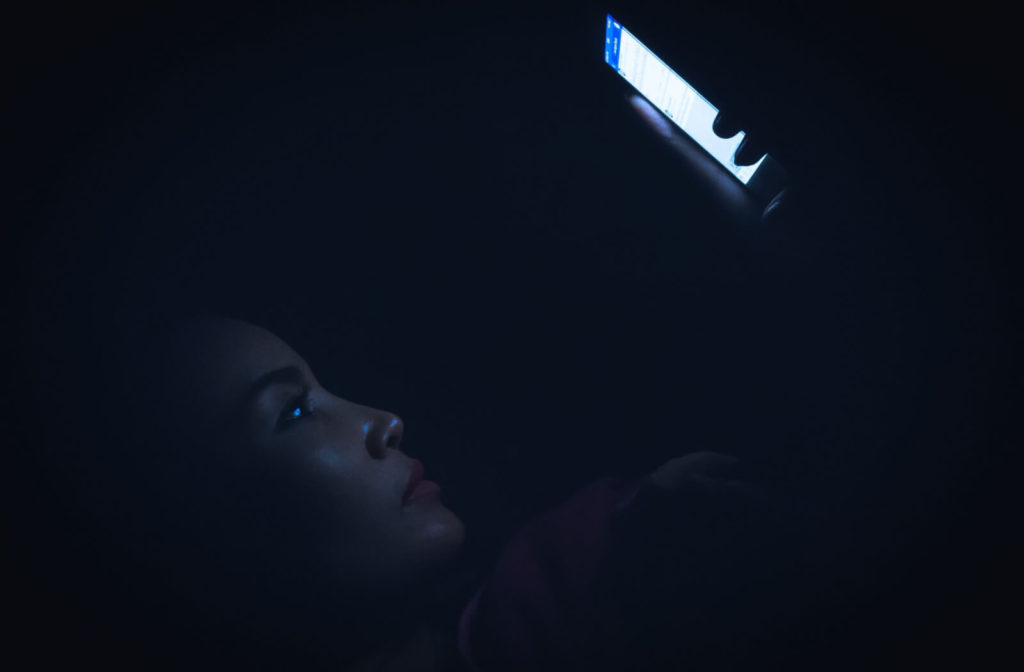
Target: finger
[
  {"x": 776, "y": 206},
  {"x": 706, "y": 463},
  {"x": 749, "y": 152},
  {"x": 656, "y": 121},
  {"x": 724, "y": 127}
]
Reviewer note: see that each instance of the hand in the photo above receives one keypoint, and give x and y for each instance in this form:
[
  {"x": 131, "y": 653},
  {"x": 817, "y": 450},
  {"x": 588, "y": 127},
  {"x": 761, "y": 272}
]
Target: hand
[
  {"x": 698, "y": 554},
  {"x": 694, "y": 519},
  {"x": 701, "y": 561},
  {"x": 703, "y": 471},
  {"x": 729, "y": 194}
]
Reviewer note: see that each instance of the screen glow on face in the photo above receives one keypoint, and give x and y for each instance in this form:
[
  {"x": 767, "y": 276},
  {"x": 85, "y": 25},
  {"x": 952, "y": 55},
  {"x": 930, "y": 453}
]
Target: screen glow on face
[{"x": 671, "y": 94}]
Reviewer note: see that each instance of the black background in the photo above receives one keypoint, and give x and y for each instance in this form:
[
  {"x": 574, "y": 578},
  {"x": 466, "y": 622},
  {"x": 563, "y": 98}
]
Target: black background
[{"x": 448, "y": 209}]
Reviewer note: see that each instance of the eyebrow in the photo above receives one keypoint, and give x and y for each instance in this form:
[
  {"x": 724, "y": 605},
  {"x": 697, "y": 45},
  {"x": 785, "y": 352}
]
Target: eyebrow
[{"x": 286, "y": 374}]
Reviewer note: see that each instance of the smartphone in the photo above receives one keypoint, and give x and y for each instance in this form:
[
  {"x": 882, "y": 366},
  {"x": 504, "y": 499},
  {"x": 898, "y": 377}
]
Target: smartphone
[{"x": 689, "y": 110}]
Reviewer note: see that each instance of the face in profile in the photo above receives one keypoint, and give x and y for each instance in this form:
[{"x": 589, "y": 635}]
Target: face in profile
[{"x": 307, "y": 495}]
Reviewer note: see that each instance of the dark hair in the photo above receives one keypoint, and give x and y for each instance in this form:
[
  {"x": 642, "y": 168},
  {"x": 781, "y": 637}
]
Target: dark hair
[{"x": 151, "y": 569}]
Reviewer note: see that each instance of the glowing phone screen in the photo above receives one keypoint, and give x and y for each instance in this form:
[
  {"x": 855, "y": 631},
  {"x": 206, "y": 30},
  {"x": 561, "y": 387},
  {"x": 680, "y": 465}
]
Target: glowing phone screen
[{"x": 671, "y": 94}]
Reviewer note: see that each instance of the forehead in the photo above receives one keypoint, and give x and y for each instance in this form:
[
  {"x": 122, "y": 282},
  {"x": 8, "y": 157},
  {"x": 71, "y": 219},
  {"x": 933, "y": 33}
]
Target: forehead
[{"x": 221, "y": 358}]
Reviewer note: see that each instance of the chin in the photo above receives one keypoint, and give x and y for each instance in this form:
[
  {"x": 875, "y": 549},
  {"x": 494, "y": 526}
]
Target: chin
[
  {"x": 445, "y": 533},
  {"x": 440, "y": 538}
]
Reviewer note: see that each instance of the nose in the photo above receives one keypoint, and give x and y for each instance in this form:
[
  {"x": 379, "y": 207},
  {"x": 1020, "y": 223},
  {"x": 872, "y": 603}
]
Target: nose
[{"x": 383, "y": 432}]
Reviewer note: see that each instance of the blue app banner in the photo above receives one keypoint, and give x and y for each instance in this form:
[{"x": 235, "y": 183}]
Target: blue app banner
[{"x": 612, "y": 38}]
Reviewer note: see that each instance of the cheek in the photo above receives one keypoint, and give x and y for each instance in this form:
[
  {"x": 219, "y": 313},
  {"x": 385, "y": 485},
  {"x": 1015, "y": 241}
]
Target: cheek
[
  {"x": 328, "y": 477},
  {"x": 328, "y": 459},
  {"x": 312, "y": 495}
]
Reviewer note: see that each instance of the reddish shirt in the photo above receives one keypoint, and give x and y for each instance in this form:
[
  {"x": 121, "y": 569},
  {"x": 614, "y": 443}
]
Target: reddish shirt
[{"x": 539, "y": 608}]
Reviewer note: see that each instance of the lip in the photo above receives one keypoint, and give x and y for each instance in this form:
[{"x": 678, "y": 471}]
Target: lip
[
  {"x": 423, "y": 490},
  {"x": 417, "y": 487},
  {"x": 415, "y": 477}
]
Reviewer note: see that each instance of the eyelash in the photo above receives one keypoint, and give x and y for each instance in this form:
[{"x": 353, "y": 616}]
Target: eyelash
[{"x": 288, "y": 417}]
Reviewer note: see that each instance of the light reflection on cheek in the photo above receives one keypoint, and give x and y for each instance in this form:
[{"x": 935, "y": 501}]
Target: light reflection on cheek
[{"x": 328, "y": 458}]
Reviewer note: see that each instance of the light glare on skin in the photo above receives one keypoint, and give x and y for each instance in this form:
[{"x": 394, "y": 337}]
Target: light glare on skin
[{"x": 329, "y": 457}]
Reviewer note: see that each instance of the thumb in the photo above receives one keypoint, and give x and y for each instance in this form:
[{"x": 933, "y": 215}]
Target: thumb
[{"x": 702, "y": 463}]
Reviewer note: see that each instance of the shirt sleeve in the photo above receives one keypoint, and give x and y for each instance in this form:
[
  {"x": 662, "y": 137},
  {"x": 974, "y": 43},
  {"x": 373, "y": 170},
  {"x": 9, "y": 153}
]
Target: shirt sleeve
[{"x": 539, "y": 609}]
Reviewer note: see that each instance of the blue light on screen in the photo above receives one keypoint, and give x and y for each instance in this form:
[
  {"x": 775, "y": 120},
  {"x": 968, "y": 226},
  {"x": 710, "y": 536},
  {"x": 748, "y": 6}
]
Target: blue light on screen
[{"x": 673, "y": 95}]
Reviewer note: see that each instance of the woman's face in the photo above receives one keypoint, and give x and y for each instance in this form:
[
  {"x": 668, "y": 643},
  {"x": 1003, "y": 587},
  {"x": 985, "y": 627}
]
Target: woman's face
[{"x": 311, "y": 486}]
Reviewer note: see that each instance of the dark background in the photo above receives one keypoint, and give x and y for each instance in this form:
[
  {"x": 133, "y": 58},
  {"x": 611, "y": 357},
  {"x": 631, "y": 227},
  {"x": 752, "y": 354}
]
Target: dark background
[{"x": 449, "y": 211}]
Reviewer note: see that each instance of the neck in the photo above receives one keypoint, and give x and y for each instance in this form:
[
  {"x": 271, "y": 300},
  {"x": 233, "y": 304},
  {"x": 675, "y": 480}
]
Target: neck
[
  {"x": 398, "y": 632},
  {"x": 414, "y": 650}
]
